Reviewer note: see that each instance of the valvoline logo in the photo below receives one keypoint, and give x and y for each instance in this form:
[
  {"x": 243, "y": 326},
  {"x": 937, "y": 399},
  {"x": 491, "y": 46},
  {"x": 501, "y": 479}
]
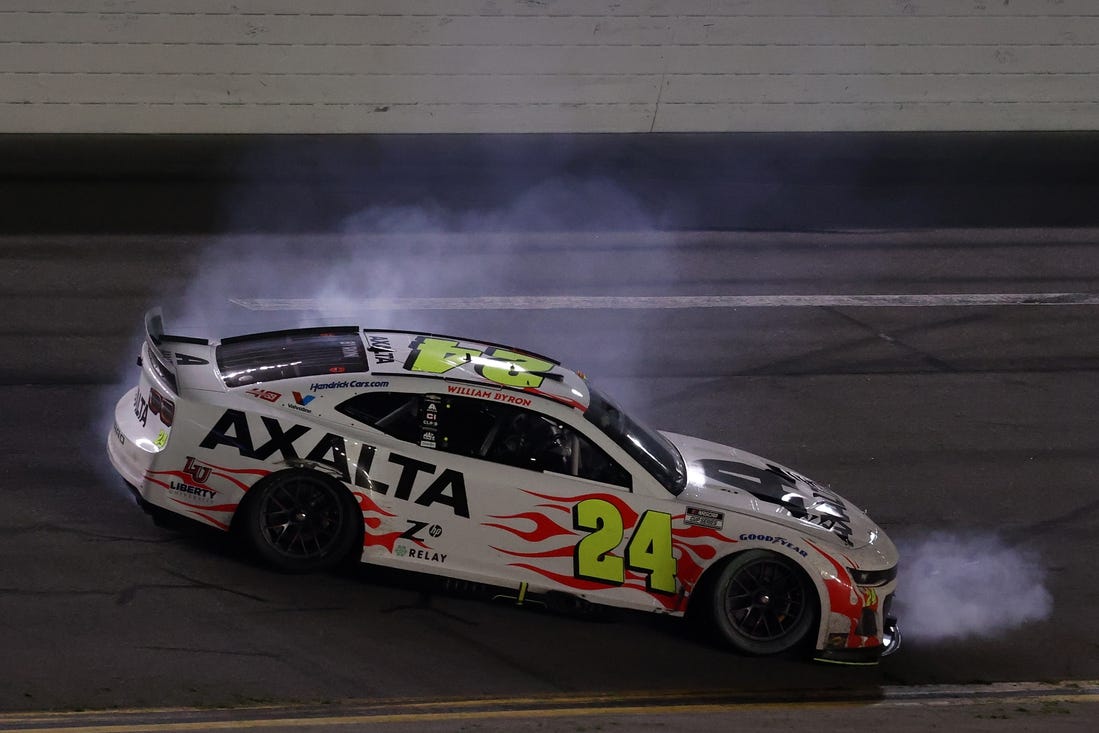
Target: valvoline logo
[{"x": 303, "y": 399}]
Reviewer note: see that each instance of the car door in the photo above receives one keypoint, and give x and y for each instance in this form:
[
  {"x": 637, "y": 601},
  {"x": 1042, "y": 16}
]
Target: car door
[
  {"x": 416, "y": 500},
  {"x": 484, "y": 490},
  {"x": 554, "y": 511}
]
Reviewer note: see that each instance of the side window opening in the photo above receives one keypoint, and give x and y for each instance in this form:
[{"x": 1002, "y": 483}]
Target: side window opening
[
  {"x": 536, "y": 442},
  {"x": 394, "y": 413},
  {"x": 504, "y": 434},
  {"x": 466, "y": 427}
]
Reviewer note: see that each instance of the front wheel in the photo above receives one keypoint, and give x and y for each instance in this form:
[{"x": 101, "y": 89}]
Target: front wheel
[
  {"x": 300, "y": 521},
  {"x": 762, "y": 603}
]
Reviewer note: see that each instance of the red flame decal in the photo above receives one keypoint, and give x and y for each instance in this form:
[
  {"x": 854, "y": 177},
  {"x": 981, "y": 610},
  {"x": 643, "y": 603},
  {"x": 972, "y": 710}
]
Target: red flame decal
[
  {"x": 688, "y": 568},
  {"x": 566, "y": 551},
  {"x": 693, "y": 531},
  {"x": 557, "y": 398},
  {"x": 224, "y": 472},
  {"x": 184, "y": 477},
  {"x": 694, "y": 547},
  {"x": 629, "y": 516},
  {"x": 381, "y": 540},
  {"x": 229, "y": 474},
  {"x": 839, "y": 598},
  {"x": 368, "y": 505},
  {"x": 544, "y": 527}
]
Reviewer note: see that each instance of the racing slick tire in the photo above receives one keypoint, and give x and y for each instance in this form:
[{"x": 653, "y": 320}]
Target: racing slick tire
[
  {"x": 762, "y": 603},
  {"x": 300, "y": 521}
]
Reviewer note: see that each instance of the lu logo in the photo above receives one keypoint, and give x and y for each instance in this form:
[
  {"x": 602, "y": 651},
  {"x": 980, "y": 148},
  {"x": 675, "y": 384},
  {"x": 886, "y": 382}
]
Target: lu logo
[{"x": 197, "y": 471}]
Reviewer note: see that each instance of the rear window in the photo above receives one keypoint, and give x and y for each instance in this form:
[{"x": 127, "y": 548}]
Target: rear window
[{"x": 262, "y": 357}]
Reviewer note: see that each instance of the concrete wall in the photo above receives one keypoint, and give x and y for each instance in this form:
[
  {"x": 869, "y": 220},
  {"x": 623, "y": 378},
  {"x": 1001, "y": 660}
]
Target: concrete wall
[
  {"x": 129, "y": 184},
  {"x": 385, "y": 66}
]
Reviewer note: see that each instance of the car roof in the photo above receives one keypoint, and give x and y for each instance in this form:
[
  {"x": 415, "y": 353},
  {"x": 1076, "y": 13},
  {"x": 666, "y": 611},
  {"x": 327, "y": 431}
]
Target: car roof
[
  {"x": 343, "y": 351},
  {"x": 483, "y": 363}
]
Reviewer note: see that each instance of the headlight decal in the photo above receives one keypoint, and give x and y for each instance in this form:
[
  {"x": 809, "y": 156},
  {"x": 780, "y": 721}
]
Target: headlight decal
[
  {"x": 873, "y": 577},
  {"x": 850, "y": 601}
]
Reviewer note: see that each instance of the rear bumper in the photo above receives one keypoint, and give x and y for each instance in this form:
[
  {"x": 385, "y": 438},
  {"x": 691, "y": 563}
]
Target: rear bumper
[{"x": 131, "y": 454}]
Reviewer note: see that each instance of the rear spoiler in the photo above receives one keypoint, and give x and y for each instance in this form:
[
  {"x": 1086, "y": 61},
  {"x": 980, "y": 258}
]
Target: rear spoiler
[
  {"x": 154, "y": 331},
  {"x": 161, "y": 360}
]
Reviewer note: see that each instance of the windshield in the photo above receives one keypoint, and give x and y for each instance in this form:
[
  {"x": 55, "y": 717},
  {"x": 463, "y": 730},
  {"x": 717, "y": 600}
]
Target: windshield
[{"x": 652, "y": 450}]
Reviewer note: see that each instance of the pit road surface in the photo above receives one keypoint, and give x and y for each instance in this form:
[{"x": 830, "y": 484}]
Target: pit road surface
[{"x": 976, "y": 419}]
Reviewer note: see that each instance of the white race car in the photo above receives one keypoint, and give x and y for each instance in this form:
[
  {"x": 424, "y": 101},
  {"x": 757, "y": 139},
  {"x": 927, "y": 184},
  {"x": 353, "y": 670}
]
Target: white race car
[{"x": 499, "y": 467}]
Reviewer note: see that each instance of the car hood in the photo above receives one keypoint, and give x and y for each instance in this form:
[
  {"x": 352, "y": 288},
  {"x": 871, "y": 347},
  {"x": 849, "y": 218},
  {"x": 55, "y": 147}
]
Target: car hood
[{"x": 729, "y": 478}]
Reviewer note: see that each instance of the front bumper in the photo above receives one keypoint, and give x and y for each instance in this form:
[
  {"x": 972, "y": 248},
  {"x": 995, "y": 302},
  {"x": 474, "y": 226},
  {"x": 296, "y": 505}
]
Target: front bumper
[{"x": 890, "y": 638}]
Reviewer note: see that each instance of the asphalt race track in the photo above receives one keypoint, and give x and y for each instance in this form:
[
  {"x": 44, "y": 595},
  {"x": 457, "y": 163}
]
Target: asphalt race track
[{"x": 976, "y": 420}]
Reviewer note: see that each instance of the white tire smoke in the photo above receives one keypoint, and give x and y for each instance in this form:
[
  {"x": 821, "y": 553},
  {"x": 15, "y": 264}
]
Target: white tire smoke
[{"x": 953, "y": 587}]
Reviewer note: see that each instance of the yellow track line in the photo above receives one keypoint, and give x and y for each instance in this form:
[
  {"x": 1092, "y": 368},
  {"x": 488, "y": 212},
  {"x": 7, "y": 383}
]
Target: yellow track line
[
  {"x": 534, "y": 707},
  {"x": 506, "y": 714}
]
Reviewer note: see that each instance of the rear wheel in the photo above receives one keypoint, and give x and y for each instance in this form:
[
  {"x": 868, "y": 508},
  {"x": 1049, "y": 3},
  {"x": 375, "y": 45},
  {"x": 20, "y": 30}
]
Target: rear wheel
[
  {"x": 300, "y": 521},
  {"x": 762, "y": 603}
]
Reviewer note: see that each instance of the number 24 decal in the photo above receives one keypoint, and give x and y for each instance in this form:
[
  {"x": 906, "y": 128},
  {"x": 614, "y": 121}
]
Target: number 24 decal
[{"x": 649, "y": 550}]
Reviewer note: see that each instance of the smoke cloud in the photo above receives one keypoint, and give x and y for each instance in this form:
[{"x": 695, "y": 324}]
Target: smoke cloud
[
  {"x": 543, "y": 238},
  {"x": 549, "y": 238},
  {"x": 566, "y": 235},
  {"x": 968, "y": 586}
]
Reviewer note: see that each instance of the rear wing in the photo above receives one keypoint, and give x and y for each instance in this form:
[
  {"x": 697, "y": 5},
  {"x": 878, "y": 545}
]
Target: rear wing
[
  {"x": 300, "y": 352},
  {"x": 161, "y": 360}
]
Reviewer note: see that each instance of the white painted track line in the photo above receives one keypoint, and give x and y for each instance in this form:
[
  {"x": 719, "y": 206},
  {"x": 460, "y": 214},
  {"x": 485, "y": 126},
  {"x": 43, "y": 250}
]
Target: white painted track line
[{"x": 656, "y": 302}]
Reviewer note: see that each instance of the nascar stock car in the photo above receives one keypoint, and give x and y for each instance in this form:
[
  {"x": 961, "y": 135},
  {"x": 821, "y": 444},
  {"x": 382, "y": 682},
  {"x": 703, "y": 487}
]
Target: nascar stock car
[{"x": 500, "y": 468}]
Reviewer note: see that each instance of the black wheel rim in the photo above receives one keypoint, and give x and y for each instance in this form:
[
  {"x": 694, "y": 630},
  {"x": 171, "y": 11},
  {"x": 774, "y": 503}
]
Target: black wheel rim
[
  {"x": 302, "y": 518},
  {"x": 765, "y": 600}
]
